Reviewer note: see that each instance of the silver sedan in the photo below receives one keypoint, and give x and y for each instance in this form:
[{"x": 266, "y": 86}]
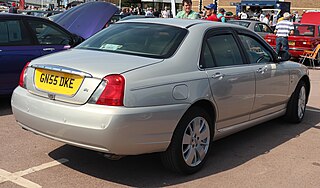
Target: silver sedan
[{"x": 160, "y": 85}]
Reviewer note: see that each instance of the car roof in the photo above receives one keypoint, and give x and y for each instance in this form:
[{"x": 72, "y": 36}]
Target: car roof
[
  {"x": 246, "y": 20},
  {"x": 12, "y": 15},
  {"x": 177, "y": 22},
  {"x": 314, "y": 24},
  {"x": 6, "y": 14}
]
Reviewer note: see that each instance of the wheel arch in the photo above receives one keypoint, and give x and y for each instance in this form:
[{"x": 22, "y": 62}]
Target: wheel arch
[{"x": 210, "y": 108}]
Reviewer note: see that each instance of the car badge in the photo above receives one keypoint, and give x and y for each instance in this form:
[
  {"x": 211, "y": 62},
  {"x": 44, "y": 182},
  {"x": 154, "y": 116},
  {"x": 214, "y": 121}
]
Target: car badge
[{"x": 51, "y": 96}]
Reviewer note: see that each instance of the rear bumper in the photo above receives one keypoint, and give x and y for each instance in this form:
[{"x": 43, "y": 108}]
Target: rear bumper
[
  {"x": 297, "y": 52},
  {"x": 114, "y": 130}
]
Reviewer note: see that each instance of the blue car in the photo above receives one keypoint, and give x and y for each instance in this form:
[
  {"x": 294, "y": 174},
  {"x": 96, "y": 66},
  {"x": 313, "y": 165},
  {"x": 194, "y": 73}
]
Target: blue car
[{"x": 23, "y": 38}]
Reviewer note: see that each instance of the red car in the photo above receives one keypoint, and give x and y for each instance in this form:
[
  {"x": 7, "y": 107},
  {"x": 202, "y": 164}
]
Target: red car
[{"x": 306, "y": 35}]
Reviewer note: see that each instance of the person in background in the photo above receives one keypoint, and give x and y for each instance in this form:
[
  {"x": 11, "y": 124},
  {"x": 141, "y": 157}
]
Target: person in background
[
  {"x": 156, "y": 13},
  {"x": 283, "y": 29},
  {"x": 187, "y": 13},
  {"x": 220, "y": 16},
  {"x": 243, "y": 15},
  {"x": 166, "y": 13},
  {"x": 273, "y": 20},
  {"x": 211, "y": 12},
  {"x": 266, "y": 19},
  {"x": 261, "y": 17},
  {"x": 13, "y": 8},
  {"x": 149, "y": 12}
]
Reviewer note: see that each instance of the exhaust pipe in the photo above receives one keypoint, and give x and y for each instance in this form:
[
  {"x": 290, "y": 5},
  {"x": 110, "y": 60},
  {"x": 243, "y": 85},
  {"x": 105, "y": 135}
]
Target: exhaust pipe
[{"x": 112, "y": 156}]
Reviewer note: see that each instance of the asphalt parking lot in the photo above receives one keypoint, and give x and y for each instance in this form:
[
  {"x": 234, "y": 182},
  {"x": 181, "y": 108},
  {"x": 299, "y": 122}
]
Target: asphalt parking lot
[{"x": 273, "y": 154}]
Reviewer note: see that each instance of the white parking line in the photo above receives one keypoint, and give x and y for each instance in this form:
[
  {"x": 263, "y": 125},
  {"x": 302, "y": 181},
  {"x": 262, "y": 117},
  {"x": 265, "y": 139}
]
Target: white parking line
[
  {"x": 16, "y": 177},
  {"x": 313, "y": 110}
]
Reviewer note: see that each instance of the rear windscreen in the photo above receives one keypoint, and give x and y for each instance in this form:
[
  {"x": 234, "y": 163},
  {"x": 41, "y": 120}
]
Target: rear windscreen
[
  {"x": 149, "y": 40},
  {"x": 304, "y": 30}
]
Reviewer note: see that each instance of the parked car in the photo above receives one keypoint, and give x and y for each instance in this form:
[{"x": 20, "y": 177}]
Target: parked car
[
  {"x": 261, "y": 28},
  {"x": 122, "y": 92},
  {"x": 311, "y": 16},
  {"x": 306, "y": 37},
  {"x": 136, "y": 17},
  {"x": 23, "y": 38}
]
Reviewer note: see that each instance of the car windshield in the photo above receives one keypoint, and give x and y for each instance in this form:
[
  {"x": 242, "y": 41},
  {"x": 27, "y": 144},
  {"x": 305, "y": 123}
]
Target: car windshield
[
  {"x": 148, "y": 40},
  {"x": 303, "y": 30},
  {"x": 244, "y": 24}
]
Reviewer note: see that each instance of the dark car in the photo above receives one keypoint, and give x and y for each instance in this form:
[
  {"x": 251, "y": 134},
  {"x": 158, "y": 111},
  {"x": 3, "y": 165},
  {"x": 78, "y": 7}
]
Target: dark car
[
  {"x": 23, "y": 37},
  {"x": 261, "y": 28}
]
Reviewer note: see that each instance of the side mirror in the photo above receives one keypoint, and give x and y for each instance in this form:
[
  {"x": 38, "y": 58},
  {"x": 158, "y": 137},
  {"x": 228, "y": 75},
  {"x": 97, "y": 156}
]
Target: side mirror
[
  {"x": 284, "y": 56},
  {"x": 76, "y": 40}
]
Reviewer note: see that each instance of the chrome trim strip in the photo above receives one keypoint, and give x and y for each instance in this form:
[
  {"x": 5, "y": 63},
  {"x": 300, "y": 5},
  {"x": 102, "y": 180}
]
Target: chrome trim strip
[{"x": 62, "y": 69}]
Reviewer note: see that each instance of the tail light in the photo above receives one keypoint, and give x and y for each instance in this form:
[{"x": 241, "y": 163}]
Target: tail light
[
  {"x": 110, "y": 92},
  {"x": 22, "y": 81},
  {"x": 307, "y": 43}
]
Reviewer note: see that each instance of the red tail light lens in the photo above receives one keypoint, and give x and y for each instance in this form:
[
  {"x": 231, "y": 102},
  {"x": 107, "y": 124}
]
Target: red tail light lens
[
  {"x": 23, "y": 76},
  {"x": 113, "y": 93}
]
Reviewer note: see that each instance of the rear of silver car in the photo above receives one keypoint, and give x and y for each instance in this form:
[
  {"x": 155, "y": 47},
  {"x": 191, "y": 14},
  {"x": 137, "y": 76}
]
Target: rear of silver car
[{"x": 75, "y": 118}]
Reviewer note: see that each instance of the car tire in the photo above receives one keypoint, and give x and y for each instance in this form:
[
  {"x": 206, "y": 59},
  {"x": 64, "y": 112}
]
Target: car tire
[
  {"x": 189, "y": 149},
  {"x": 297, "y": 104}
]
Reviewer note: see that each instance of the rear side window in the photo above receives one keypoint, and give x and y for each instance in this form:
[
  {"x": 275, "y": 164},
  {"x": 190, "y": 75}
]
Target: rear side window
[
  {"x": 149, "y": 40},
  {"x": 12, "y": 33},
  {"x": 225, "y": 50}
]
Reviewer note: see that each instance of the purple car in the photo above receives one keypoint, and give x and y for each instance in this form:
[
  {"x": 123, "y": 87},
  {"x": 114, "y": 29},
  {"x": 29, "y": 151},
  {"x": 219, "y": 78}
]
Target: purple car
[{"x": 23, "y": 38}]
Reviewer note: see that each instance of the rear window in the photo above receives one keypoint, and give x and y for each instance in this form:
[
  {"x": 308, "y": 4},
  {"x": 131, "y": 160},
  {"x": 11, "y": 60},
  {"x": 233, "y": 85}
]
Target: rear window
[
  {"x": 148, "y": 40},
  {"x": 304, "y": 30}
]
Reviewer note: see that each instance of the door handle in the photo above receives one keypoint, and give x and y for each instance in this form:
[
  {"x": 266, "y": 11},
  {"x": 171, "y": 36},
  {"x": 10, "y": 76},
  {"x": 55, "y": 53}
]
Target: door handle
[
  {"x": 262, "y": 70},
  {"x": 218, "y": 75},
  {"x": 48, "y": 49}
]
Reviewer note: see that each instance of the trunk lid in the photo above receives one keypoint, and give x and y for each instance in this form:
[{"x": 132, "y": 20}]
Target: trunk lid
[{"x": 73, "y": 76}]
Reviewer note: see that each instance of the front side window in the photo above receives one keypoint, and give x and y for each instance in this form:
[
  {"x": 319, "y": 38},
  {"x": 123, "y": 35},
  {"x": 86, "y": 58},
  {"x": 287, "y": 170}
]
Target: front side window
[
  {"x": 49, "y": 34},
  {"x": 256, "y": 52},
  {"x": 257, "y": 28},
  {"x": 225, "y": 50},
  {"x": 12, "y": 32},
  {"x": 149, "y": 40}
]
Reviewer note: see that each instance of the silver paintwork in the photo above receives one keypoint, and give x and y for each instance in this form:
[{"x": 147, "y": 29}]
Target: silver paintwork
[{"x": 158, "y": 92}]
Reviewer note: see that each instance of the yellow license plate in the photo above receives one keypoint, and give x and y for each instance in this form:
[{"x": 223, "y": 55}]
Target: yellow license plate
[
  {"x": 292, "y": 43},
  {"x": 57, "y": 82}
]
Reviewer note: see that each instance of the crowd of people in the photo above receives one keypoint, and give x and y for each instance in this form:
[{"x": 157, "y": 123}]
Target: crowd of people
[{"x": 151, "y": 12}]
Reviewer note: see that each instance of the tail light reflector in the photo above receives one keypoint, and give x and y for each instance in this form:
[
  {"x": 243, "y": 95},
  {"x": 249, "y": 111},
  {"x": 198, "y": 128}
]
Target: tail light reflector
[{"x": 23, "y": 75}]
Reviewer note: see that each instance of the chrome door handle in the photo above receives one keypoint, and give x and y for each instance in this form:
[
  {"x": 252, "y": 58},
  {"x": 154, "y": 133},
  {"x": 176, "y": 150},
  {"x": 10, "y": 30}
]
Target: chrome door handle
[
  {"x": 218, "y": 75},
  {"x": 262, "y": 70},
  {"x": 48, "y": 49}
]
